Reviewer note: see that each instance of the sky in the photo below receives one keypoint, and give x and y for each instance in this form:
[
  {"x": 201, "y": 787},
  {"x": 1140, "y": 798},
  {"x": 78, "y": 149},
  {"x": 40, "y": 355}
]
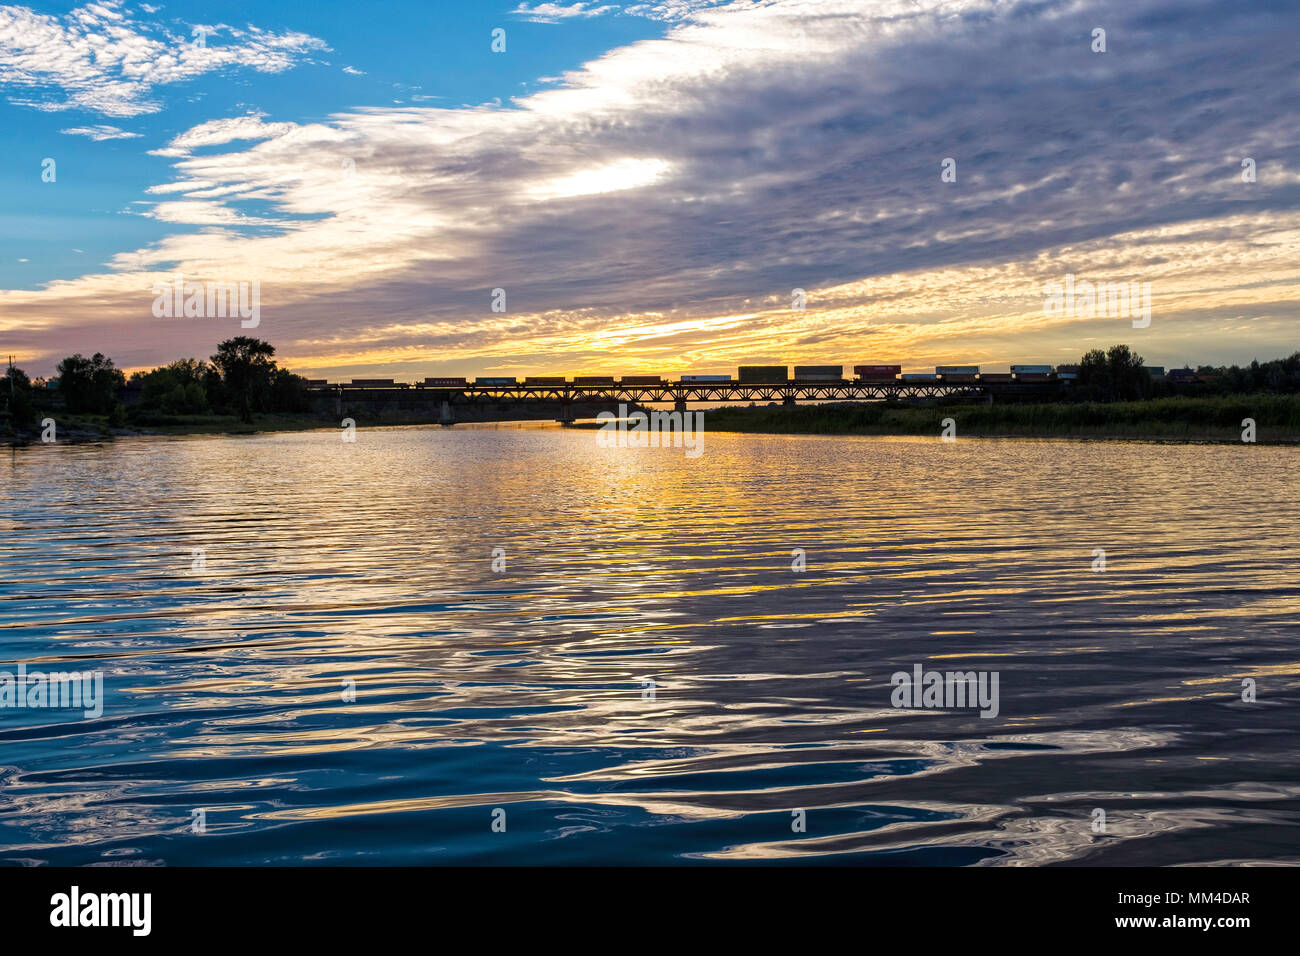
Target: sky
[{"x": 650, "y": 182}]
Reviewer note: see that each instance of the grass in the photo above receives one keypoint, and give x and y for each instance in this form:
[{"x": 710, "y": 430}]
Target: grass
[
  {"x": 1277, "y": 419},
  {"x": 85, "y": 427}
]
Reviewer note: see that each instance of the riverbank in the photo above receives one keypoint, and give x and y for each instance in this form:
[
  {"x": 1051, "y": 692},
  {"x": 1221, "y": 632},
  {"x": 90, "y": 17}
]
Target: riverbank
[
  {"x": 75, "y": 429},
  {"x": 1216, "y": 419}
]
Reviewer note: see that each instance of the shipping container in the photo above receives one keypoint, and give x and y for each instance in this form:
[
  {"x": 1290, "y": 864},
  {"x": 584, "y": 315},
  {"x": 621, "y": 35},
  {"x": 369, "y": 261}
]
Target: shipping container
[
  {"x": 996, "y": 377},
  {"x": 764, "y": 373},
  {"x": 919, "y": 377},
  {"x": 819, "y": 373},
  {"x": 494, "y": 380},
  {"x": 593, "y": 380},
  {"x": 1033, "y": 377},
  {"x": 544, "y": 380},
  {"x": 372, "y": 382},
  {"x": 1155, "y": 371},
  {"x": 317, "y": 382},
  {"x": 877, "y": 372},
  {"x": 446, "y": 382},
  {"x": 953, "y": 378},
  {"x": 1032, "y": 369},
  {"x": 704, "y": 379},
  {"x": 641, "y": 380},
  {"x": 956, "y": 370}
]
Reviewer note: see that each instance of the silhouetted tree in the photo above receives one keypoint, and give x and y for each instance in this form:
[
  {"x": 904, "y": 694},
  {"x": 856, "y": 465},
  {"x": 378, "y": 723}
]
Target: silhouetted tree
[
  {"x": 247, "y": 372},
  {"x": 177, "y": 388},
  {"x": 16, "y": 404},
  {"x": 89, "y": 384},
  {"x": 1116, "y": 375}
]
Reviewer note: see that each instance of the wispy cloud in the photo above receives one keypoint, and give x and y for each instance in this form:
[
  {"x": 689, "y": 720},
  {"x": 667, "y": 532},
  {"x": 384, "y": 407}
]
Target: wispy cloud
[
  {"x": 101, "y": 59},
  {"x": 100, "y": 132},
  {"x": 555, "y": 12}
]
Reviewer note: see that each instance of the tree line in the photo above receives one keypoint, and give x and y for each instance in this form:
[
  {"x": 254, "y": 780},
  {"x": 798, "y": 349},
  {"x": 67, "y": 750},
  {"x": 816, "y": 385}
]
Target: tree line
[
  {"x": 241, "y": 378},
  {"x": 1120, "y": 375}
]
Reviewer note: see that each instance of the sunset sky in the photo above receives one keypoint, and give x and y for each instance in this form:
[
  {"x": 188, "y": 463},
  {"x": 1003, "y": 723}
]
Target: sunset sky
[{"x": 649, "y": 181}]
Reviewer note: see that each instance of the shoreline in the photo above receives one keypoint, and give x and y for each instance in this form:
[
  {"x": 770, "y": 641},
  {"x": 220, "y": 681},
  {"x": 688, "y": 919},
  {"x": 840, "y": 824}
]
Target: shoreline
[{"x": 1215, "y": 420}]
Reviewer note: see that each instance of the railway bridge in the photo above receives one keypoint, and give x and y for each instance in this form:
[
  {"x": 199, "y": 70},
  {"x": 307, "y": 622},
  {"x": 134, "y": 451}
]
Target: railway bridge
[{"x": 569, "y": 401}]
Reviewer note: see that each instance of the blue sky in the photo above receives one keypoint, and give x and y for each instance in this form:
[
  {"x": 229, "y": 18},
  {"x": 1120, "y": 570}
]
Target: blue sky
[
  {"x": 649, "y": 182},
  {"x": 397, "y": 53}
]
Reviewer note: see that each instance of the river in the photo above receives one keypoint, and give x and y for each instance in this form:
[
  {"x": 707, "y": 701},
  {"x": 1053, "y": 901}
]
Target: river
[{"x": 509, "y": 645}]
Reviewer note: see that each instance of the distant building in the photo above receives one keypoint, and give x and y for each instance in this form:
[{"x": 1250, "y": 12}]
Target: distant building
[{"x": 1180, "y": 376}]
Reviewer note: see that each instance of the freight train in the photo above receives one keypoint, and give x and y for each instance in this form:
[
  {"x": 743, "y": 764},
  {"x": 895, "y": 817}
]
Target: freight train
[{"x": 750, "y": 375}]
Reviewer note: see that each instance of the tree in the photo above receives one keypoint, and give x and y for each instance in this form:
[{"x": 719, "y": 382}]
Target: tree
[
  {"x": 1116, "y": 375},
  {"x": 1129, "y": 377},
  {"x": 247, "y": 371},
  {"x": 16, "y": 397},
  {"x": 89, "y": 384},
  {"x": 289, "y": 392},
  {"x": 177, "y": 388}
]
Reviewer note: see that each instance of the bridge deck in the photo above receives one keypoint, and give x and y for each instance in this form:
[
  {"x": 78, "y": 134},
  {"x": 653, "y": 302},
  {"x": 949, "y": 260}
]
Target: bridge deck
[{"x": 677, "y": 392}]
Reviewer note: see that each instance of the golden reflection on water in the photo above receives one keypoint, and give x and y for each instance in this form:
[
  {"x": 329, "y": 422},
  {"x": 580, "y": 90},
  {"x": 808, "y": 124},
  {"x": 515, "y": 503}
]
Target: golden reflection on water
[{"x": 372, "y": 563}]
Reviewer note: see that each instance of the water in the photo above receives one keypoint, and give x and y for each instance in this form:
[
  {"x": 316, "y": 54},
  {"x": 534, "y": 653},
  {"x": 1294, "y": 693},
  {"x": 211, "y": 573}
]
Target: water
[{"x": 526, "y": 689}]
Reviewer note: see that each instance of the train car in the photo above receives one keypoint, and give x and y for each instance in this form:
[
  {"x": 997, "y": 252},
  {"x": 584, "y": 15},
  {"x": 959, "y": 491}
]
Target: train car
[
  {"x": 445, "y": 382},
  {"x": 997, "y": 378},
  {"x": 593, "y": 380},
  {"x": 1070, "y": 372},
  {"x": 1031, "y": 370},
  {"x": 373, "y": 383},
  {"x": 1157, "y": 372},
  {"x": 545, "y": 380},
  {"x": 819, "y": 373},
  {"x": 919, "y": 377},
  {"x": 958, "y": 374},
  {"x": 877, "y": 373},
  {"x": 1028, "y": 377},
  {"x": 765, "y": 374},
  {"x": 641, "y": 380},
  {"x": 495, "y": 380},
  {"x": 317, "y": 382},
  {"x": 705, "y": 379}
]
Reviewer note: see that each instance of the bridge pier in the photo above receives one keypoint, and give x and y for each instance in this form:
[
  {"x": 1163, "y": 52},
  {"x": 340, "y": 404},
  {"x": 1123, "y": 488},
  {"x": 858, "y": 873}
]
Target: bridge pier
[
  {"x": 679, "y": 404},
  {"x": 566, "y": 416},
  {"x": 445, "y": 418}
]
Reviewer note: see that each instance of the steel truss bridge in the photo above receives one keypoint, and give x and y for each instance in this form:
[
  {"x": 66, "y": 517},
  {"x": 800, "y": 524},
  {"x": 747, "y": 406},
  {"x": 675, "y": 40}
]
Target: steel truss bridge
[{"x": 679, "y": 394}]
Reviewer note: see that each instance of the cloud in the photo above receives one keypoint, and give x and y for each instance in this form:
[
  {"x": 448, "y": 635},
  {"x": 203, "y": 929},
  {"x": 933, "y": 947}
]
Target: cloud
[
  {"x": 222, "y": 131},
  {"x": 100, "y": 132},
  {"x": 555, "y": 12},
  {"x": 657, "y": 209},
  {"x": 99, "y": 58}
]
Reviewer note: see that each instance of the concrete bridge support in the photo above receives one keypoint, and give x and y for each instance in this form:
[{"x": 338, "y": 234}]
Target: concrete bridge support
[{"x": 445, "y": 417}]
